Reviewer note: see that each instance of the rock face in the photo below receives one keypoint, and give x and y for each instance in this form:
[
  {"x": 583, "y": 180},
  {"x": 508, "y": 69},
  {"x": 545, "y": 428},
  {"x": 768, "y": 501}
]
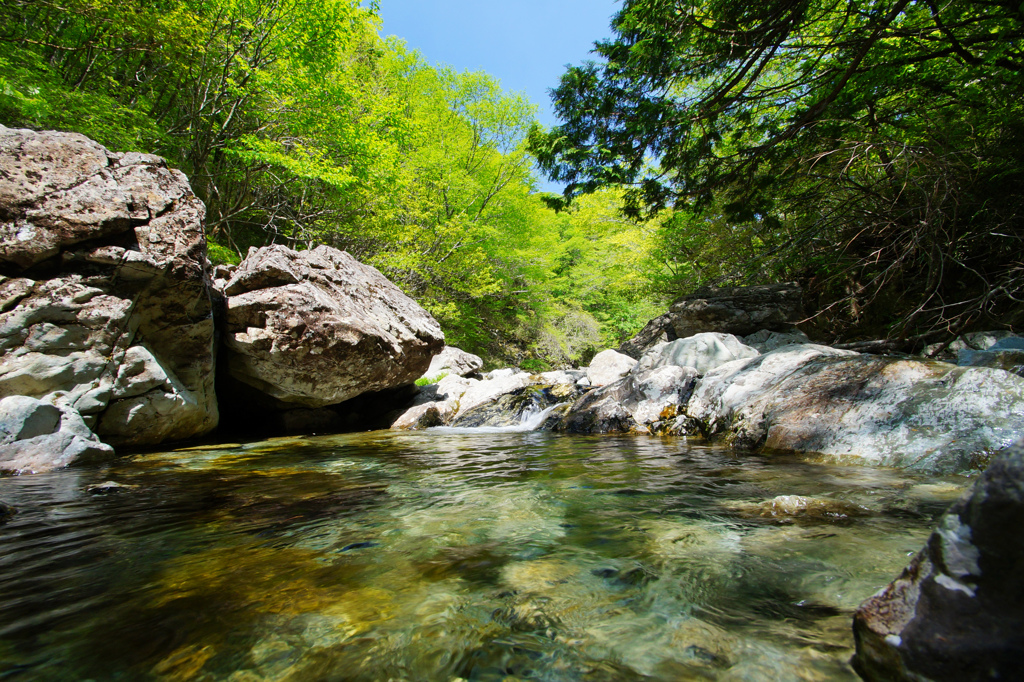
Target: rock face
[
  {"x": 880, "y": 410},
  {"x": 315, "y": 328},
  {"x": 703, "y": 352},
  {"x": 957, "y": 612},
  {"x": 37, "y": 436},
  {"x": 609, "y": 366},
  {"x": 104, "y": 299},
  {"x": 738, "y": 310},
  {"x": 453, "y": 361}
]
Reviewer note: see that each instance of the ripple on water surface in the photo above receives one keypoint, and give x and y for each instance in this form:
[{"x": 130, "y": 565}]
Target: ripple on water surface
[{"x": 447, "y": 556}]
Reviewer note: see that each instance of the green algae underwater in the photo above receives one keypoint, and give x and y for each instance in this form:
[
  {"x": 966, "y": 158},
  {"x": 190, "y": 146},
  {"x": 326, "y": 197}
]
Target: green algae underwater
[{"x": 440, "y": 555}]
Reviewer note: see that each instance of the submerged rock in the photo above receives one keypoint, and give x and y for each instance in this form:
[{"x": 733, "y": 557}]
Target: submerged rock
[
  {"x": 877, "y": 410},
  {"x": 957, "y": 612},
  {"x": 37, "y": 437},
  {"x": 6, "y": 512},
  {"x": 315, "y": 328},
  {"x": 790, "y": 506},
  {"x": 108, "y": 309}
]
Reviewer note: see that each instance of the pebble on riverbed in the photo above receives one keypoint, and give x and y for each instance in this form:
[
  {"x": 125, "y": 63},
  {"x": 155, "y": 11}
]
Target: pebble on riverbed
[{"x": 109, "y": 487}]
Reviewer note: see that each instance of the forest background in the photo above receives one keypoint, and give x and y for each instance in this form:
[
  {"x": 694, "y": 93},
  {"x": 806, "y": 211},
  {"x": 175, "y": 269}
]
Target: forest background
[{"x": 872, "y": 152}]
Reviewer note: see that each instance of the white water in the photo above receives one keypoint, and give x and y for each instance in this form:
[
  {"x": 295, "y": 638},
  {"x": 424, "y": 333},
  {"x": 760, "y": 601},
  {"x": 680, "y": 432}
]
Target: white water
[{"x": 531, "y": 420}]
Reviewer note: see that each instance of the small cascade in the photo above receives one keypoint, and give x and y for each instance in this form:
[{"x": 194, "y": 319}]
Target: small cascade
[{"x": 533, "y": 417}]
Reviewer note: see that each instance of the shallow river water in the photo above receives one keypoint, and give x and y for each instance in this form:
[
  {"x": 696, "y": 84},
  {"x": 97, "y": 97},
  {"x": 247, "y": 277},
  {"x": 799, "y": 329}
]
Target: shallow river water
[{"x": 446, "y": 555}]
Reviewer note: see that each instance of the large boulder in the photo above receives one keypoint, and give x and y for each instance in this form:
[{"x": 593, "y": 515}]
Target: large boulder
[
  {"x": 737, "y": 310},
  {"x": 105, "y": 304},
  {"x": 876, "y": 410},
  {"x": 37, "y": 437},
  {"x": 957, "y": 612},
  {"x": 703, "y": 352},
  {"x": 315, "y": 328}
]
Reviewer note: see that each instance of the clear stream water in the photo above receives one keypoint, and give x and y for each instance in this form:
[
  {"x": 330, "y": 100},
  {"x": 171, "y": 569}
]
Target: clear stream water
[{"x": 445, "y": 555}]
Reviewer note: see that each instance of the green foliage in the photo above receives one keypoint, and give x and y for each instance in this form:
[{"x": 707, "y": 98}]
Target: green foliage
[
  {"x": 297, "y": 124},
  {"x": 869, "y": 149},
  {"x": 426, "y": 381},
  {"x": 221, "y": 255}
]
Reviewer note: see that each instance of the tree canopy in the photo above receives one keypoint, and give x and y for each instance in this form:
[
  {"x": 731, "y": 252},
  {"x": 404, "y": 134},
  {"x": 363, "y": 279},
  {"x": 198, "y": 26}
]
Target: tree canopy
[{"x": 870, "y": 148}]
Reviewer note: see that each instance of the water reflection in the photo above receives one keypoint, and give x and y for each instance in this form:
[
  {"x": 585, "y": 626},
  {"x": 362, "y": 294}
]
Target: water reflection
[{"x": 443, "y": 556}]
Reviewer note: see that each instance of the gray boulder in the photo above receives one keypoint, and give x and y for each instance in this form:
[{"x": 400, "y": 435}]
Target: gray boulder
[
  {"x": 869, "y": 409},
  {"x": 36, "y": 436},
  {"x": 316, "y": 328},
  {"x": 453, "y": 361},
  {"x": 108, "y": 308},
  {"x": 957, "y": 612},
  {"x": 642, "y": 402},
  {"x": 609, "y": 366},
  {"x": 704, "y": 352},
  {"x": 738, "y": 310}
]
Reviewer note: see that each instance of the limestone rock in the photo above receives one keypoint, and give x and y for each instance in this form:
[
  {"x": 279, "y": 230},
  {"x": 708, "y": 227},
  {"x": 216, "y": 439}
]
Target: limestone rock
[
  {"x": 641, "y": 402},
  {"x": 704, "y": 352},
  {"x": 957, "y": 612},
  {"x": 738, "y": 310},
  {"x": 316, "y": 328},
  {"x": 609, "y": 366},
  {"x": 455, "y": 361},
  {"x": 36, "y": 436},
  {"x": 108, "y": 258},
  {"x": 875, "y": 410}
]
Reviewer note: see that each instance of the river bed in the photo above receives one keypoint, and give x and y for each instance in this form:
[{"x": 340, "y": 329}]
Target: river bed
[{"x": 448, "y": 555}]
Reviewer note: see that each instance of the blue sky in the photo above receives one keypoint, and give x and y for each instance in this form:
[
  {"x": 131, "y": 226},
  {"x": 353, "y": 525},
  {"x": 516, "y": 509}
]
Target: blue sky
[{"x": 523, "y": 43}]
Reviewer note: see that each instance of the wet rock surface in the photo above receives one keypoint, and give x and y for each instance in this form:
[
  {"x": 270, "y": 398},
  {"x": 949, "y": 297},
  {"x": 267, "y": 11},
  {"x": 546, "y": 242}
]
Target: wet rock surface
[
  {"x": 642, "y": 402},
  {"x": 105, "y": 302},
  {"x": 874, "y": 410},
  {"x": 957, "y": 612},
  {"x": 316, "y": 328}
]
